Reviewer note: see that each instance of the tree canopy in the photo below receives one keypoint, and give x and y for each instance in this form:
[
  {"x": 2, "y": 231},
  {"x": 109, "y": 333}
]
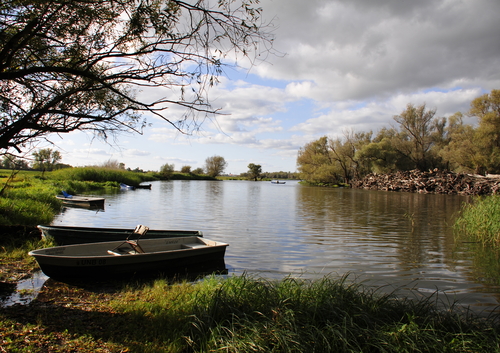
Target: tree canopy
[
  {"x": 46, "y": 159},
  {"x": 422, "y": 142},
  {"x": 215, "y": 165},
  {"x": 254, "y": 171},
  {"x": 102, "y": 65}
]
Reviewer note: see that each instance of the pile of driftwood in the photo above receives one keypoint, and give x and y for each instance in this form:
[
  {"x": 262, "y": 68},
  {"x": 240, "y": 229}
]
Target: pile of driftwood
[{"x": 435, "y": 182}]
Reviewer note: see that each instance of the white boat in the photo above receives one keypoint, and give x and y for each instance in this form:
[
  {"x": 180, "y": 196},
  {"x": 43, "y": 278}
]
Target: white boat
[
  {"x": 83, "y": 201},
  {"x": 127, "y": 258},
  {"x": 126, "y": 187}
]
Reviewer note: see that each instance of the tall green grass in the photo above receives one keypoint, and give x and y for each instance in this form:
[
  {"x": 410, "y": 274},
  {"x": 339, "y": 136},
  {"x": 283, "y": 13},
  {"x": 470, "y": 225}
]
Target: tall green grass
[
  {"x": 28, "y": 201},
  {"x": 480, "y": 220},
  {"x": 242, "y": 314},
  {"x": 102, "y": 175}
]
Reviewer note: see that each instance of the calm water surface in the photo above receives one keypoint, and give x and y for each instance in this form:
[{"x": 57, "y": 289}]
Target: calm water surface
[{"x": 398, "y": 240}]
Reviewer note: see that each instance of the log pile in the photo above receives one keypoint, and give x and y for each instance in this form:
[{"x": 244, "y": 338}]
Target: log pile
[{"x": 431, "y": 182}]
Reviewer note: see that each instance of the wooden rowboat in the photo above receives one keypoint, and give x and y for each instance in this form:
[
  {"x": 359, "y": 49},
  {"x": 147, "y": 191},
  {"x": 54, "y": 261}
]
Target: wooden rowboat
[
  {"x": 127, "y": 258},
  {"x": 66, "y": 235},
  {"x": 81, "y": 200}
]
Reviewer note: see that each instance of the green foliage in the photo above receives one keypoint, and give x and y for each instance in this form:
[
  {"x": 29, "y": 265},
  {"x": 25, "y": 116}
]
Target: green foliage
[
  {"x": 422, "y": 142},
  {"x": 315, "y": 163},
  {"x": 215, "y": 165},
  {"x": 28, "y": 202},
  {"x": 487, "y": 109},
  {"x": 198, "y": 171},
  {"x": 111, "y": 176},
  {"x": 166, "y": 171},
  {"x": 242, "y": 314},
  {"x": 254, "y": 171},
  {"x": 481, "y": 220},
  {"x": 46, "y": 159}
]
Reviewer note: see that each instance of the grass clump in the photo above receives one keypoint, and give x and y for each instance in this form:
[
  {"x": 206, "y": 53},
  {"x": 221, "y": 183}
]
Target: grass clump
[
  {"x": 28, "y": 201},
  {"x": 102, "y": 175},
  {"x": 242, "y": 314},
  {"x": 480, "y": 220}
]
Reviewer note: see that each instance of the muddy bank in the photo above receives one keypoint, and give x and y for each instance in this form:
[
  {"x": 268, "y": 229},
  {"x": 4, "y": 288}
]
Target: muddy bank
[{"x": 431, "y": 182}]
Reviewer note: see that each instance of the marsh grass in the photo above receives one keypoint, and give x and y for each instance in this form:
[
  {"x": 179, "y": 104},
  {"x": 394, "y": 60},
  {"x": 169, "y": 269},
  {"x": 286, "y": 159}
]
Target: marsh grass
[
  {"x": 243, "y": 314},
  {"x": 28, "y": 201},
  {"x": 480, "y": 220},
  {"x": 102, "y": 175}
]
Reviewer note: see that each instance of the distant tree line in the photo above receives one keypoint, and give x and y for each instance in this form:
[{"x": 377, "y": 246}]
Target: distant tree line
[{"x": 419, "y": 141}]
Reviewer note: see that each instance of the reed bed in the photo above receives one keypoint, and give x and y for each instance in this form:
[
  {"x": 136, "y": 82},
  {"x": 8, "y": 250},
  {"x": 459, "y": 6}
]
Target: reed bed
[
  {"x": 102, "y": 175},
  {"x": 480, "y": 220}
]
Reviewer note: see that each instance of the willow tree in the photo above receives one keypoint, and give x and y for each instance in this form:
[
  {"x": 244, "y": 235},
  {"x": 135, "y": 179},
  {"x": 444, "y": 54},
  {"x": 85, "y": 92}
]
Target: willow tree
[
  {"x": 417, "y": 135},
  {"x": 315, "y": 163},
  {"x": 215, "y": 165},
  {"x": 104, "y": 65},
  {"x": 487, "y": 135},
  {"x": 254, "y": 171}
]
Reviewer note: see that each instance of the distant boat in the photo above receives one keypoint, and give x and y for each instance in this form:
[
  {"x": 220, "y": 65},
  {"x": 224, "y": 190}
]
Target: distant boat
[
  {"x": 278, "y": 182},
  {"x": 81, "y": 200},
  {"x": 143, "y": 186},
  {"x": 126, "y": 187},
  {"x": 126, "y": 258},
  {"x": 67, "y": 235}
]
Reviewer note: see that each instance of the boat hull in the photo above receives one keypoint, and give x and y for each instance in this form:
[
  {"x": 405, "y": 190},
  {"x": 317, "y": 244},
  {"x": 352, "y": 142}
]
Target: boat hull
[
  {"x": 165, "y": 255},
  {"x": 82, "y": 201},
  {"x": 81, "y": 235}
]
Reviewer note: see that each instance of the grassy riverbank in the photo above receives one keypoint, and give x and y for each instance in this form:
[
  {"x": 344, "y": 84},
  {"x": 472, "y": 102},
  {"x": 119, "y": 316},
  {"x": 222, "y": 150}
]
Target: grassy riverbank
[{"x": 238, "y": 314}]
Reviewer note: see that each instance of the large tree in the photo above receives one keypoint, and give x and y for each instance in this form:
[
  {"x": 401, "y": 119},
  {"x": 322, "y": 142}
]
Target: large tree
[
  {"x": 315, "y": 162},
  {"x": 417, "y": 125},
  {"x": 215, "y": 165},
  {"x": 70, "y": 65},
  {"x": 487, "y": 135},
  {"x": 254, "y": 171}
]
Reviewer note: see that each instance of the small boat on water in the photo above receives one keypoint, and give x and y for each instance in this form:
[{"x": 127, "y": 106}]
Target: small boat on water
[
  {"x": 143, "y": 186},
  {"x": 278, "y": 182},
  {"x": 126, "y": 187},
  {"x": 67, "y": 235},
  {"x": 81, "y": 200},
  {"x": 127, "y": 258}
]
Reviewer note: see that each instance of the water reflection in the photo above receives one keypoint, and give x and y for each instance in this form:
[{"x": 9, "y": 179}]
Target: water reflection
[{"x": 24, "y": 291}]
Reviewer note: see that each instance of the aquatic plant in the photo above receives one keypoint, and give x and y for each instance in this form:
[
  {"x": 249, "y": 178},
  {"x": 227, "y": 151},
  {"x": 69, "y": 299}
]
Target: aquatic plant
[{"x": 480, "y": 220}]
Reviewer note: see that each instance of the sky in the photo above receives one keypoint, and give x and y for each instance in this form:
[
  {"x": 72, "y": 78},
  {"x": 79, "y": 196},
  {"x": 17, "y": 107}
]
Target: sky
[{"x": 341, "y": 65}]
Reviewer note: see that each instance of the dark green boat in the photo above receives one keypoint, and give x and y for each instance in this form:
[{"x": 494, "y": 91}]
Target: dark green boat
[{"x": 66, "y": 235}]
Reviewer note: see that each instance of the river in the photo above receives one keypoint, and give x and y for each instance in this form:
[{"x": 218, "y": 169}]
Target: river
[{"x": 396, "y": 241}]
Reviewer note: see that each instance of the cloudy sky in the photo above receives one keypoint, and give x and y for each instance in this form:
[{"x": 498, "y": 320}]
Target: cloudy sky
[{"x": 345, "y": 65}]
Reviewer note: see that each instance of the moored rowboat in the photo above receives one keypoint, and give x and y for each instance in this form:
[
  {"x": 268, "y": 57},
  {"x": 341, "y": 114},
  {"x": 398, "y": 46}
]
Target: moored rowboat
[
  {"x": 81, "y": 200},
  {"x": 67, "y": 235},
  {"x": 119, "y": 258}
]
